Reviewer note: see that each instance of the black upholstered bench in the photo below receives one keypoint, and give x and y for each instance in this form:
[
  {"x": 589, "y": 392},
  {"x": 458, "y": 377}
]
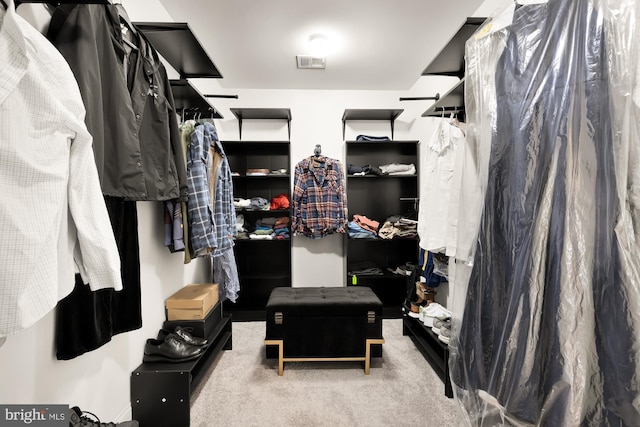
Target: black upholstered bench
[{"x": 323, "y": 324}]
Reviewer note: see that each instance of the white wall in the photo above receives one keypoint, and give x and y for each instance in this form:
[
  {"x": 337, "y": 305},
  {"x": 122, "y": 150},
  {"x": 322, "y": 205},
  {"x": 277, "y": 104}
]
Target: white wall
[{"x": 99, "y": 381}]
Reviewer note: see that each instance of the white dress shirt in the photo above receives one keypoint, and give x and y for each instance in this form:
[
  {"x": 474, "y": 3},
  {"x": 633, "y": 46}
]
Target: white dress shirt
[
  {"x": 52, "y": 204},
  {"x": 438, "y": 158}
]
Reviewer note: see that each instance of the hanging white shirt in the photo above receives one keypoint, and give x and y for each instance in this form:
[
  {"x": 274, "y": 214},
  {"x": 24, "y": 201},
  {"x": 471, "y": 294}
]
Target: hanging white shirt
[
  {"x": 438, "y": 158},
  {"x": 52, "y": 204}
]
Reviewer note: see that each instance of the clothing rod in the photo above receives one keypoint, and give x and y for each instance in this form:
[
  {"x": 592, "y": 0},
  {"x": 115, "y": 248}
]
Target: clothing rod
[
  {"x": 220, "y": 96},
  {"x": 422, "y": 98},
  {"x": 19, "y": 2}
]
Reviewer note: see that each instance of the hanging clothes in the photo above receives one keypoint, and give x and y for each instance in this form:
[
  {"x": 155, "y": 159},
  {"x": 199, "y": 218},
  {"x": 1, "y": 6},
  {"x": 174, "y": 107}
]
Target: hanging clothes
[
  {"x": 130, "y": 107},
  {"x": 52, "y": 212},
  {"x": 319, "y": 198},
  {"x": 436, "y": 179},
  {"x": 211, "y": 209},
  {"x": 550, "y": 333}
]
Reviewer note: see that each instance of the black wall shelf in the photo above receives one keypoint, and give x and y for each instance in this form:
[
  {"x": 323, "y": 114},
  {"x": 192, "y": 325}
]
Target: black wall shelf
[
  {"x": 450, "y": 60},
  {"x": 262, "y": 114},
  {"x": 179, "y": 46},
  {"x": 452, "y": 102},
  {"x": 370, "y": 114},
  {"x": 176, "y": 43},
  {"x": 189, "y": 102}
]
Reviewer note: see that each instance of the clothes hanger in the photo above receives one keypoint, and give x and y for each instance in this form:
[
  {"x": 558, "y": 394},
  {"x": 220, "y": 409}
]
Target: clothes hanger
[
  {"x": 124, "y": 18},
  {"x": 317, "y": 151}
]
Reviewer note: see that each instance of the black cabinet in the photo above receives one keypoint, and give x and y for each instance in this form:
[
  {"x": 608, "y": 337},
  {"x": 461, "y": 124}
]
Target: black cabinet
[
  {"x": 262, "y": 264},
  {"x": 379, "y": 197}
]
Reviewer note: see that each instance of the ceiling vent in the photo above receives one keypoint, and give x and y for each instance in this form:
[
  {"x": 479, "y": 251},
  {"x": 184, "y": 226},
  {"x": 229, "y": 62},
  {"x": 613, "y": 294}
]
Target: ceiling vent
[{"x": 311, "y": 62}]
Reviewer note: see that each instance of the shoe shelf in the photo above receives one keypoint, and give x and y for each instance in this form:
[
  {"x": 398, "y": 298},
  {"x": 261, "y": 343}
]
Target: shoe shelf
[
  {"x": 435, "y": 351},
  {"x": 161, "y": 392}
]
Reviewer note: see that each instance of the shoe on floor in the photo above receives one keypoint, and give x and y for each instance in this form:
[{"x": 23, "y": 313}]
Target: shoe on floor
[
  {"x": 78, "y": 418},
  {"x": 432, "y": 311},
  {"x": 445, "y": 335},
  {"x": 172, "y": 349},
  {"x": 185, "y": 335},
  {"x": 439, "y": 323}
]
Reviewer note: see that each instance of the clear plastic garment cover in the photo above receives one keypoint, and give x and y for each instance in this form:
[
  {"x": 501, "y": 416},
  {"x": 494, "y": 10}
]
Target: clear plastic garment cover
[{"x": 546, "y": 327}]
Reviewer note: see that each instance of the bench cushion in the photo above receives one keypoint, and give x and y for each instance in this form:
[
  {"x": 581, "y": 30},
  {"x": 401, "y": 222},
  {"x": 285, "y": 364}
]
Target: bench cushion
[{"x": 302, "y": 302}]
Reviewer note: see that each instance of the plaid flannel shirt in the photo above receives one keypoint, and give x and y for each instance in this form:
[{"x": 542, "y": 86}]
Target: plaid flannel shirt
[{"x": 319, "y": 198}]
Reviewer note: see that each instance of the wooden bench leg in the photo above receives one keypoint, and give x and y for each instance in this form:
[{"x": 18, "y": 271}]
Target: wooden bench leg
[
  {"x": 280, "y": 345},
  {"x": 367, "y": 356}
]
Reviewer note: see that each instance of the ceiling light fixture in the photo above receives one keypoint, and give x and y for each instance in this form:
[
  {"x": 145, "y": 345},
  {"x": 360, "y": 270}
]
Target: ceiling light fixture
[{"x": 318, "y": 45}]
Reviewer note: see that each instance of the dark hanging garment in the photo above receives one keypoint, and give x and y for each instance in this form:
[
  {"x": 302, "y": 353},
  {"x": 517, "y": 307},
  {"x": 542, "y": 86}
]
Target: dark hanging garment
[
  {"x": 547, "y": 336},
  {"x": 130, "y": 107},
  {"x": 85, "y": 319}
]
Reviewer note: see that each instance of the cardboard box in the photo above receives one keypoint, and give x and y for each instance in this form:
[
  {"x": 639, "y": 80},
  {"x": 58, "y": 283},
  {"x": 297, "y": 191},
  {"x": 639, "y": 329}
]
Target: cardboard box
[{"x": 192, "y": 302}]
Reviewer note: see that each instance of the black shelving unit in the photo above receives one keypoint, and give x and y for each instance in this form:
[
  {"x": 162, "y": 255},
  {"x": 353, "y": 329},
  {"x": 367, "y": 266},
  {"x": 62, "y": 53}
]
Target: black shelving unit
[
  {"x": 262, "y": 264},
  {"x": 435, "y": 351},
  {"x": 378, "y": 197},
  {"x": 161, "y": 392},
  {"x": 370, "y": 114}
]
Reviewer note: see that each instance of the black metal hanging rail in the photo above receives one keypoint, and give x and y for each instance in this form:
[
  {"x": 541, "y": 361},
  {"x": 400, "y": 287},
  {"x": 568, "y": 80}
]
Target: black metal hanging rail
[
  {"x": 58, "y": 3},
  {"x": 452, "y": 102},
  {"x": 421, "y": 98},
  {"x": 220, "y": 96}
]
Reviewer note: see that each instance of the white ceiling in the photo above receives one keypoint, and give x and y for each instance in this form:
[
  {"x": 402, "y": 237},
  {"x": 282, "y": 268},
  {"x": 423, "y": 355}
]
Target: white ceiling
[{"x": 380, "y": 44}]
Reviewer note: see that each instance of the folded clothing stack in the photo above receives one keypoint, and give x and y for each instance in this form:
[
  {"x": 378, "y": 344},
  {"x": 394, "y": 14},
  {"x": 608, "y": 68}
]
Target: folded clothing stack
[{"x": 398, "y": 227}]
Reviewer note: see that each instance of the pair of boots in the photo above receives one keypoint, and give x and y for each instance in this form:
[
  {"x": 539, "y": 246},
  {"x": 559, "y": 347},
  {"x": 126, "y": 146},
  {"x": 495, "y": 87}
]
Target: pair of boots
[{"x": 426, "y": 295}]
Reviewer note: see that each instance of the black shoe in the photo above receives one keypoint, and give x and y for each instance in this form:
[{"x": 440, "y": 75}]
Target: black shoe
[
  {"x": 172, "y": 349},
  {"x": 184, "y": 335},
  {"x": 77, "y": 418}
]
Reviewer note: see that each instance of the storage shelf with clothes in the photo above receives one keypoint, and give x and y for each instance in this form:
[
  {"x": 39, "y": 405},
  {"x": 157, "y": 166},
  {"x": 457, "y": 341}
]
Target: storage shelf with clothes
[
  {"x": 382, "y": 187},
  {"x": 262, "y": 191}
]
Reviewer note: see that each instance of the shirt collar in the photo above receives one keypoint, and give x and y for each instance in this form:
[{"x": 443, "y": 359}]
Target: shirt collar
[{"x": 13, "y": 51}]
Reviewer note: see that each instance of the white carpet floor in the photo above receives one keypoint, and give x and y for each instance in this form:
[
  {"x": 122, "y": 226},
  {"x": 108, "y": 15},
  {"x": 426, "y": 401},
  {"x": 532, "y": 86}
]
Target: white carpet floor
[{"x": 242, "y": 388}]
